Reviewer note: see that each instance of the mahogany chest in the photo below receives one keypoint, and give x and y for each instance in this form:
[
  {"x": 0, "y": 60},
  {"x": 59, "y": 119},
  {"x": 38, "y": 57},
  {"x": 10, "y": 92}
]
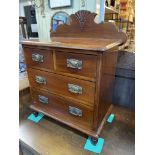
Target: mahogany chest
[{"x": 71, "y": 77}]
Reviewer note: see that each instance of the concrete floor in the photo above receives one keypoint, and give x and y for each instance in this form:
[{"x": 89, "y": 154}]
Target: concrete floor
[
  {"x": 120, "y": 135},
  {"x": 49, "y": 137}
]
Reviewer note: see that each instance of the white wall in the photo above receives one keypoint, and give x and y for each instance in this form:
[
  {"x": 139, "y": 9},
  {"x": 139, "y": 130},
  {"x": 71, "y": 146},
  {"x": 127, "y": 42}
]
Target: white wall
[{"x": 45, "y": 22}]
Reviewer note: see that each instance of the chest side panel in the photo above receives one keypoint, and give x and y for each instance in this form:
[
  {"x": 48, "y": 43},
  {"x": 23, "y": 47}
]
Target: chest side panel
[{"x": 109, "y": 62}]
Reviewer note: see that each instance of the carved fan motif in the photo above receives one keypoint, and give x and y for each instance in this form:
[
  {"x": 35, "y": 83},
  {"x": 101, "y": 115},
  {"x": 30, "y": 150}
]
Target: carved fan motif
[
  {"x": 82, "y": 25},
  {"x": 82, "y": 17}
]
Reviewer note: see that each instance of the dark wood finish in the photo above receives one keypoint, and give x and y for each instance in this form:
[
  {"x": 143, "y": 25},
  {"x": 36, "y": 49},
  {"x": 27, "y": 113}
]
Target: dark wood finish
[
  {"x": 83, "y": 25},
  {"x": 94, "y": 140},
  {"x": 58, "y": 84},
  {"x": 83, "y": 129},
  {"x": 58, "y": 107},
  {"x": 87, "y": 59},
  {"x": 109, "y": 62},
  {"x": 94, "y": 45},
  {"x": 89, "y": 63},
  {"x": 104, "y": 120},
  {"x": 36, "y": 114},
  {"x": 47, "y": 63},
  {"x": 99, "y": 55}
]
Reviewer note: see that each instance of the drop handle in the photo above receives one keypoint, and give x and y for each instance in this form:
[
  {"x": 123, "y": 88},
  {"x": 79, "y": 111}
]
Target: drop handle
[
  {"x": 40, "y": 79},
  {"x": 74, "y": 63},
  {"x": 74, "y": 89},
  {"x": 43, "y": 99},
  {"x": 75, "y": 111},
  {"x": 37, "y": 57}
]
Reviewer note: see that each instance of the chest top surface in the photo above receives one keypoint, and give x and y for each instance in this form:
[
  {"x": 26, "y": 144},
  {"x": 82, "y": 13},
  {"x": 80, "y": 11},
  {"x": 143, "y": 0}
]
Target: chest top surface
[{"x": 83, "y": 33}]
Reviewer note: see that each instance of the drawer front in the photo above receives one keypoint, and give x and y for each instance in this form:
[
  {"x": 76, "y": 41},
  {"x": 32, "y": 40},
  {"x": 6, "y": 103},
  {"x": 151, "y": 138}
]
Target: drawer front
[
  {"x": 78, "y": 64},
  {"x": 39, "y": 58},
  {"x": 72, "y": 88},
  {"x": 63, "y": 109}
]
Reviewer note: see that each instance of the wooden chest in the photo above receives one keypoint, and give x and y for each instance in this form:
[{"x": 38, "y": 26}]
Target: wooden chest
[{"x": 71, "y": 77}]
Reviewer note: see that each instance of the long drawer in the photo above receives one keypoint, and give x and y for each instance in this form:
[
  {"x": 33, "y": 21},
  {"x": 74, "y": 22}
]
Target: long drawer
[
  {"x": 39, "y": 58},
  {"x": 75, "y": 63},
  {"x": 64, "y": 110},
  {"x": 73, "y": 88}
]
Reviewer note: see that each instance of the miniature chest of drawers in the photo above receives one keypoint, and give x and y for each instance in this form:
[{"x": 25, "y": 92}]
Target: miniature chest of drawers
[{"x": 71, "y": 77}]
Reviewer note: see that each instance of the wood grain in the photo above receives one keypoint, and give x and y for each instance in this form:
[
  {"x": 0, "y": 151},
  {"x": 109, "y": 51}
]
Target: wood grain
[
  {"x": 109, "y": 62},
  {"x": 59, "y": 84},
  {"x": 96, "y": 45},
  {"x": 92, "y": 44},
  {"x": 83, "y": 25},
  {"x": 88, "y": 64},
  {"x": 47, "y": 63},
  {"x": 59, "y": 107}
]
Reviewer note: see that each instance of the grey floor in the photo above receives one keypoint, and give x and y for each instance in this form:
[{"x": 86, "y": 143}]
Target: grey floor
[{"x": 120, "y": 135}]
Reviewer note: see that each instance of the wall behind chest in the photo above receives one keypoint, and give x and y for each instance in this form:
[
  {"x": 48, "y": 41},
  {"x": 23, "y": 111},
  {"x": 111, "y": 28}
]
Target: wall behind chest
[{"x": 44, "y": 22}]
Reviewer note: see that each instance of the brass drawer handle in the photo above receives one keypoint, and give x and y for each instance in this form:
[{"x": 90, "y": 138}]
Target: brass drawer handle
[
  {"x": 75, "y": 111},
  {"x": 37, "y": 57},
  {"x": 74, "y": 89},
  {"x": 40, "y": 80},
  {"x": 43, "y": 99},
  {"x": 74, "y": 63}
]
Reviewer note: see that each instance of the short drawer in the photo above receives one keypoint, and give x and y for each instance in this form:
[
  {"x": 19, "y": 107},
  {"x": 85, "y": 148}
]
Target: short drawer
[
  {"x": 64, "y": 110},
  {"x": 77, "y": 64},
  {"x": 39, "y": 58},
  {"x": 72, "y": 88}
]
